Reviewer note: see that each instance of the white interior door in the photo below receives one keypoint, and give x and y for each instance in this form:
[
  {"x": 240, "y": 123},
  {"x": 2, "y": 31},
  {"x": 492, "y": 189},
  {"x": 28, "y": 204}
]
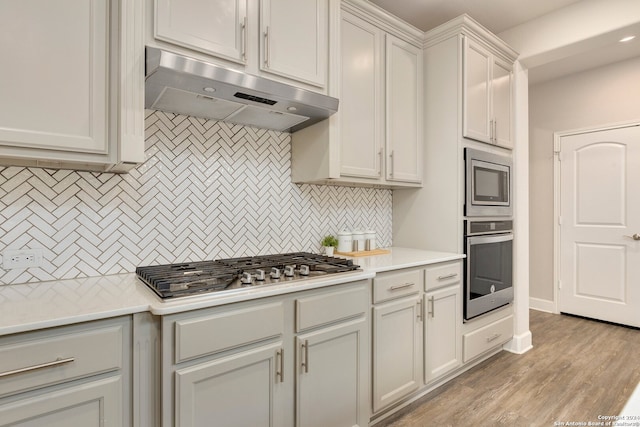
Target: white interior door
[{"x": 600, "y": 214}]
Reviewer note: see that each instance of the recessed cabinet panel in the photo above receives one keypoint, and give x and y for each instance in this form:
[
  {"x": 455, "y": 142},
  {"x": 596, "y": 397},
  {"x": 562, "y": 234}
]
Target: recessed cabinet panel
[
  {"x": 53, "y": 77},
  {"x": 213, "y": 27},
  {"x": 443, "y": 344},
  {"x": 294, "y": 37},
  {"x": 397, "y": 330},
  {"x": 501, "y": 88},
  {"x": 404, "y": 110},
  {"x": 98, "y": 403},
  {"x": 240, "y": 390},
  {"x": 332, "y": 376},
  {"x": 360, "y": 99},
  {"x": 476, "y": 84}
]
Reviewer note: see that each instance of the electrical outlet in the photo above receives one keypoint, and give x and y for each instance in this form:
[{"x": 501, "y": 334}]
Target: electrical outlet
[{"x": 21, "y": 258}]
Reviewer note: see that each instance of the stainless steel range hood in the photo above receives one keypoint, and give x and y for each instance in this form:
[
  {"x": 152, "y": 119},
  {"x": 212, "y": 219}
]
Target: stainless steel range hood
[{"x": 183, "y": 85}]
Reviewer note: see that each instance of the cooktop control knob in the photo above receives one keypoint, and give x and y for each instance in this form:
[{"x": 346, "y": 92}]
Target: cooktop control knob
[
  {"x": 288, "y": 271},
  {"x": 245, "y": 279},
  {"x": 304, "y": 270},
  {"x": 275, "y": 273},
  {"x": 260, "y": 275}
]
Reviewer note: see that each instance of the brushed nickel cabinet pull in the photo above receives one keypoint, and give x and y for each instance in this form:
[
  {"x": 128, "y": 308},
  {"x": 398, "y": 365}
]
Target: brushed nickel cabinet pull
[
  {"x": 305, "y": 362},
  {"x": 267, "y": 49},
  {"x": 404, "y": 285},
  {"x": 280, "y": 372},
  {"x": 420, "y": 310},
  {"x": 243, "y": 34},
  {"x": 432, "y": 299},
  {"x": 448, "y": 276},
  {"x": 57, "y": 362},
  {"x": 493, "y": 337},
  {"x": 391, "y": 164},
  {"x": 495, "y": 131}
]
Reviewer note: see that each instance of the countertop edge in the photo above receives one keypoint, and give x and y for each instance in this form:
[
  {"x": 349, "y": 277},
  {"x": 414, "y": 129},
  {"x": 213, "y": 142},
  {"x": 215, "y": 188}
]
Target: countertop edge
[{"x": 41, "y": 305}]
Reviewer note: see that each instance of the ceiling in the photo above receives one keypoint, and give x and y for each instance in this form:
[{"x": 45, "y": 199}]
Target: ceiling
[
  {"x": 501, "y": 15},
  {"x": 496, "y": 15}
]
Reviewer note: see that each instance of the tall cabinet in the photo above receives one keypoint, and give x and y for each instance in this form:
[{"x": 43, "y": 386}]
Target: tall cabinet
[{"x": 468, "y": 103}]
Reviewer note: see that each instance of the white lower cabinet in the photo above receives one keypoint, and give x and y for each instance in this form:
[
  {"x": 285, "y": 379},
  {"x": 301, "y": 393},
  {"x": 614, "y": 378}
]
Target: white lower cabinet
[
  {"x": 243, "y": 389},
  {"x": 443, "y": 347},
  {"x": 443, "y": 319},
  {"x": 97, "y": 403},
  {"x": 489, "y": 336},
  {"x": 397, "y": 335},
  {"x": 68, "y": 376},
  {"x": 299, "y": 359},
  {"x": 332, "y": 376},
  {"x": 397, "y": 349}
]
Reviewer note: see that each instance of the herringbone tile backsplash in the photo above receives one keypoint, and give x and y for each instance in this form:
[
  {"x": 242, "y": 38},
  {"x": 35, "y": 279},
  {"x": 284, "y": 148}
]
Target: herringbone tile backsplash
[{"x": 207, "y": 190}]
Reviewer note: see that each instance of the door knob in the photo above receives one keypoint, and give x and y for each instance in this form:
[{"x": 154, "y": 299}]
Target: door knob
[{"x": 634, "y": 237}]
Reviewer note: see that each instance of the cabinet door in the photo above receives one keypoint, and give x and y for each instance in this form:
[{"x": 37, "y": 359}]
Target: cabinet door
[
  {"x": 404, "y": 111},
  {"x": 361, "y": 113},
  {"x": 97, "y": 403},
  {"x": 54, "y": 74},
  {"x": 245, "y": 389},
  {"x": 442, "y": 342},
  {"x": 501, "y": 90},
  {"x": 332, "y": 368},
  {"x": 397, "y": 352},
  {"x": 294, "y": 37},
  {"x": 215, "y": 27},
  {"x": 476, "y": 116}
]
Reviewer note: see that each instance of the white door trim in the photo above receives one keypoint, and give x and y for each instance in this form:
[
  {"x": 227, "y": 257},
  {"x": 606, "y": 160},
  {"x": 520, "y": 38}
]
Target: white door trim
[{"x": 557, "y": 138}]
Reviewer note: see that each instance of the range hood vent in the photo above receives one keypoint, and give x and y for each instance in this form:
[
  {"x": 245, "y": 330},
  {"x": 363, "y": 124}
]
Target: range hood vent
[{"x": 183, "y": 85}]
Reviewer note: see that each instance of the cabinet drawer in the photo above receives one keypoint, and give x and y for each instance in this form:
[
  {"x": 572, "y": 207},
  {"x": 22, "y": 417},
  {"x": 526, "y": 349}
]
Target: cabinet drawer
[
  {"x": 440, "y": 275},
  {"x": 330, "y": 307},
  {"x": 204, "y": 335},
  {"x": 487, "y": 337},
  {"x": 36, "y": 360},
  {"x": 397, "y": 284}
]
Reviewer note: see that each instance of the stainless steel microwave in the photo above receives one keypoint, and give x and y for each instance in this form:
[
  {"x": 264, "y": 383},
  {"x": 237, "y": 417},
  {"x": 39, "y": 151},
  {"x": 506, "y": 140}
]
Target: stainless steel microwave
[{"x": 488, "y": 179}]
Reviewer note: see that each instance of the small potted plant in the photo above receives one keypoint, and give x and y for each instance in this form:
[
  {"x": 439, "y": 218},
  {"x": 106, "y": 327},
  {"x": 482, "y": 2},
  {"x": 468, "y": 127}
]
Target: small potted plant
[{"x": 330, "y": 243}]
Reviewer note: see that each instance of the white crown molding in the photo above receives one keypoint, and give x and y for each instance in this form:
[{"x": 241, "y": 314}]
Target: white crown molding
[
  {"x": 466, "y": 25},
  {"x": 385, "y": 20}
]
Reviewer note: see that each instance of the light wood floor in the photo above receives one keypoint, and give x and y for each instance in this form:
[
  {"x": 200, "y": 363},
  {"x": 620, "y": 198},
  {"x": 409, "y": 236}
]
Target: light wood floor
[{"x": 578, "y": 369}]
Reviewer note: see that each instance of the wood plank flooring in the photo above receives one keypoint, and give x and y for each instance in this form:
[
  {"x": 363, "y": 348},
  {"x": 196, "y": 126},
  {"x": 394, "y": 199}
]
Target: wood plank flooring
[{"x": 578, "y": 369}]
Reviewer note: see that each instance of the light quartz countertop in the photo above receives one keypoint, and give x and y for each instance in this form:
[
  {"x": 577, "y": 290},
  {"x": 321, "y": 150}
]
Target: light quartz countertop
[
  {"x": 39, "y": 305},
  {"x": 403, "y": 258}
]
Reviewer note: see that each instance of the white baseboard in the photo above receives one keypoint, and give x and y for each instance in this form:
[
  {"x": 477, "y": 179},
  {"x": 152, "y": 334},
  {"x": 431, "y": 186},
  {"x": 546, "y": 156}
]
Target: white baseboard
[
  {"x": 519, "y": 344},
  {"x": 542, "y": 305}
]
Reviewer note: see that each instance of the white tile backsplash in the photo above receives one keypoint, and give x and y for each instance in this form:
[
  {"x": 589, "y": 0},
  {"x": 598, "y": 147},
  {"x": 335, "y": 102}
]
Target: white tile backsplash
[{"x": 207, "y": 190}]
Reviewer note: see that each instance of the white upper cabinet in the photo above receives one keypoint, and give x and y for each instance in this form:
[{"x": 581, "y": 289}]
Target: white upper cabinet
[
  {"x": 62, "y": 81},
  {"x": 376, "y": 137},
  {"x": 487, "y": 93},
  {"x": 277, "y": 38},
  {"x": 294, "y": 38},
  {"x": 361, "y": 107},
  {"x": 403, "y": 111},
  {"x": 213, "y": 27}
]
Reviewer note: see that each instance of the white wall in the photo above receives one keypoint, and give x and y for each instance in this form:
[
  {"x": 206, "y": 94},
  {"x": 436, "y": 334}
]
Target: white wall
[{"x": 600, "y": 96}]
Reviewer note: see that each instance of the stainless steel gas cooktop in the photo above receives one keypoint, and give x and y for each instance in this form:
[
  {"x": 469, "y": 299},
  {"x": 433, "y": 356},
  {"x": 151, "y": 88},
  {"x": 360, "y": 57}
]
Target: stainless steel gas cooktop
[{"x": 177, "y": 280}]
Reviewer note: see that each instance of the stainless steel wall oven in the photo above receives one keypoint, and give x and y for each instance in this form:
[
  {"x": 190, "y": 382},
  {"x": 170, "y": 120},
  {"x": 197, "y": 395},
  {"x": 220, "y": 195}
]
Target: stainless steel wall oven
[{"x": 488, "y": 266}]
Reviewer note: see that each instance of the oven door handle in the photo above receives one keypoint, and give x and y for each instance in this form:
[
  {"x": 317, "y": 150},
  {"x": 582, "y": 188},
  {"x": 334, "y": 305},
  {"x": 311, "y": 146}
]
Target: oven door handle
[{"x": 493, "y": 238}]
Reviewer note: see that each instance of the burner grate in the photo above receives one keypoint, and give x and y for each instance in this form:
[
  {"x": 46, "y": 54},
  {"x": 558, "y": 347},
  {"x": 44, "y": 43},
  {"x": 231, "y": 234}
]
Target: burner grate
[{"x": 175, "y": 280}]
